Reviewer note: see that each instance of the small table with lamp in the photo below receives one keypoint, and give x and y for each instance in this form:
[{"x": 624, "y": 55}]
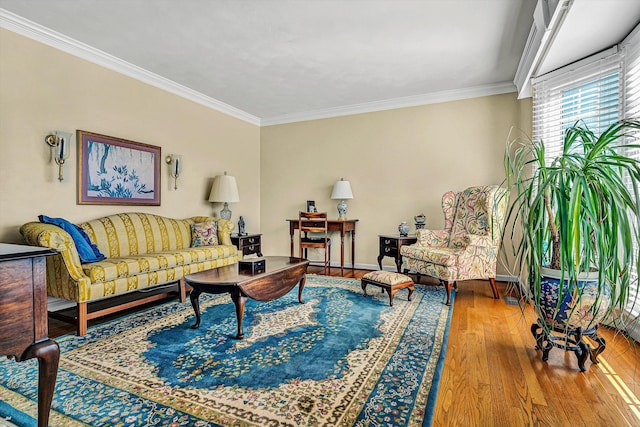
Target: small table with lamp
[
  {"x": 341, "y": 191},
  {"x": 343, "y": 226}
]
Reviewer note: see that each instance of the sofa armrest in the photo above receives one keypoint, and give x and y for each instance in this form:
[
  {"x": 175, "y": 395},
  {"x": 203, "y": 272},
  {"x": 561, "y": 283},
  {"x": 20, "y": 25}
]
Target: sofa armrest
[
  {"x": 432, "y": 237},
  {"x": 225, "y": 227},
  {"x": 51, "y": 236}
]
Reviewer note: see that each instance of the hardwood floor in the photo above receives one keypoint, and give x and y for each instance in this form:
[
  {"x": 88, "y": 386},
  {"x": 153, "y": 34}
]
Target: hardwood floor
[{"x": 493, "y": 376}]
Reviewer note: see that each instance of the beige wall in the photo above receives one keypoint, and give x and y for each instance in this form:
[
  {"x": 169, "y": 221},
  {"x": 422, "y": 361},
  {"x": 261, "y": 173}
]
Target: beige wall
[
  {"x": 43, "y": 89},
  {"x": 399, "y": 162}
]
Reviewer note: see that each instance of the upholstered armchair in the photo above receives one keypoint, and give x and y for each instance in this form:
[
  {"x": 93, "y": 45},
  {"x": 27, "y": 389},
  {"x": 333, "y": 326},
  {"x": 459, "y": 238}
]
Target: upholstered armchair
[{"x": 468, "y": 246}]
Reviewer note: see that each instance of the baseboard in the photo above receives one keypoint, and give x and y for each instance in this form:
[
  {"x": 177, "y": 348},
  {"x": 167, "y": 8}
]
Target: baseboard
[
  {"x": 334, "y": 264},
  {"x": 506, "y": 278}
]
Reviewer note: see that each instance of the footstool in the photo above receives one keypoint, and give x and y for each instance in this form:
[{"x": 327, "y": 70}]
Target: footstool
[{"x": 388, "y": 281}]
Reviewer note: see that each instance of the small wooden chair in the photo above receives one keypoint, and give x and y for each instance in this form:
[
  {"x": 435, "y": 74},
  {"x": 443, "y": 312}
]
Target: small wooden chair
[{"x": 316, "y": 223}]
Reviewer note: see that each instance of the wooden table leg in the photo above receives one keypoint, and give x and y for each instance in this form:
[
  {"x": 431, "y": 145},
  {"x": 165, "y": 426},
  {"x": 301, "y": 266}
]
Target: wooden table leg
[
  {"x": 300, "y": 288},
  {"x": 399, "y": 263},
  {"x": 353, "y": 251},
  {"x": 291, "y": 231},
  {"x": 342, "y": 233},
  {"x": 195, "y": 303},
  {"x": 239, "y": 301},
  {"x": 48, "y": 354}
]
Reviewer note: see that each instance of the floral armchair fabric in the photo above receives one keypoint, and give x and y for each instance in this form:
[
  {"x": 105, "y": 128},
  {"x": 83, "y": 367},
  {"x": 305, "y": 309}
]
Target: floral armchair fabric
[{"x": 468, "y": 246}]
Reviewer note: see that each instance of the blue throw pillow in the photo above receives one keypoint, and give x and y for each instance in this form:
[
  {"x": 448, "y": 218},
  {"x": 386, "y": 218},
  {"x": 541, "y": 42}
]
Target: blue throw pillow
[{"x": 87, "y": 250}]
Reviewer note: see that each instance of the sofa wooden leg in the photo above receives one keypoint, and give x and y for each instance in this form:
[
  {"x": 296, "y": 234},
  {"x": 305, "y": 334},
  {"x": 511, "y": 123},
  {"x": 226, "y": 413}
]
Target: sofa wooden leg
[
  {"x": 449, "y": 286},
  {"x": 183, "y": 290},
  {"x": 494, "y": 288},
  {"x": 82, "y": 319}
]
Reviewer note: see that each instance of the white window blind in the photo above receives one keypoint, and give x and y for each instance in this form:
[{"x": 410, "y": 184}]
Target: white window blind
[
  {"x": 588, "y": 91},
  {"x": 599, "y": 91},
  {"x": 631, "y": 109}
]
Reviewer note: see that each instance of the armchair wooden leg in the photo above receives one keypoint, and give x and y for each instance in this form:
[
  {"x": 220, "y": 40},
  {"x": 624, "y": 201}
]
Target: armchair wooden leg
[
  {"x": 449, "y": 286},
  {"x": 494, "y": 288}
]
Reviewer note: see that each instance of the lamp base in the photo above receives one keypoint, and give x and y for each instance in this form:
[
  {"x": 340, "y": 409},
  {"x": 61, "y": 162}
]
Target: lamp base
[
  {"x": 342, "y": 210},
  {"x": 225, "y": 213}
]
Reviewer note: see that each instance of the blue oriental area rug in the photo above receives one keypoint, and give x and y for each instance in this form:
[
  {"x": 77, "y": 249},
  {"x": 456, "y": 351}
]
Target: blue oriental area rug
[{"x": 338, "y": 360}]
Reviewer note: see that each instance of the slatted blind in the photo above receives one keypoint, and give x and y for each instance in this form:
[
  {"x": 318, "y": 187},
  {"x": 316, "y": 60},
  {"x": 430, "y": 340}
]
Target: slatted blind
[
  {"x": 588, "y": 91},
  {"x": 631, "y": 109},
  {"x": 599, "y": 91}
]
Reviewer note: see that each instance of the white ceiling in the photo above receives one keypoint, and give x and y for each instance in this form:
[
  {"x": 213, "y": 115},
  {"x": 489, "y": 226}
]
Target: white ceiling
[{"x": 273, "y": 61}]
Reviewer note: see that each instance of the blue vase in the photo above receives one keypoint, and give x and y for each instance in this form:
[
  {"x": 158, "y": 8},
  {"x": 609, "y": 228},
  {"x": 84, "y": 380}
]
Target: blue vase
[
  {"x": 403, "y": 228},
  {"x": 580, "y": 305}
]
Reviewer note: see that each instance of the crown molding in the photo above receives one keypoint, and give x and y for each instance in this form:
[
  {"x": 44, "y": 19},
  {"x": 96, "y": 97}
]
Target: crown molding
[
  {"x": 391, "y": 104},
  {"x": 37, "y": 32}
]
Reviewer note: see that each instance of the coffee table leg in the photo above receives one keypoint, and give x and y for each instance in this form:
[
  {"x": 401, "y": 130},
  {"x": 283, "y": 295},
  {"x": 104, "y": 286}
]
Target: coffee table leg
[
  {"x": 300, "y": 288},
  {"x": 195, "y": 294},
  {"x": 239, "y": 300}
]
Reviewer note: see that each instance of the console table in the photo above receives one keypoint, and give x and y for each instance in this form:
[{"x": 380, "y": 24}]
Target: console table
[
  {"x": 23, "y": 317},
  {"x": 343, "y": 226}
]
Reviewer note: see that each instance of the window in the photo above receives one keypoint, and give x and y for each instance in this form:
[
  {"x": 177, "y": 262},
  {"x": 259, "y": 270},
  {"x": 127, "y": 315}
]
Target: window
[
  {"x": 588, "y": 90},
  {"x": 598, "y": 91},
  {"x": 595, "y": 102},
  {"x": 631, "y": 108}
]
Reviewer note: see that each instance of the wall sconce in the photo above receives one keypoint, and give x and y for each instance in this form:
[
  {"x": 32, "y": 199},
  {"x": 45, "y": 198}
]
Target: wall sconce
[
  {"x": 60, "y": 143},
  {"x": 175, "y": 167}
]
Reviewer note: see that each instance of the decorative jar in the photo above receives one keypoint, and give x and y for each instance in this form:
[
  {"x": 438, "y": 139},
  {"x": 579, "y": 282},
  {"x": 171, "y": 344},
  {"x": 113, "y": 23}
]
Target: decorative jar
[{"x": 403, "y": 228}]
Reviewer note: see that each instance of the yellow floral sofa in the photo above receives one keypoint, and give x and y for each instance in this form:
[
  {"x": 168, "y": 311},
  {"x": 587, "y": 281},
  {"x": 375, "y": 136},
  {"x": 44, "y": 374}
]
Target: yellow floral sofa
[{"x": 142, "y": 251}]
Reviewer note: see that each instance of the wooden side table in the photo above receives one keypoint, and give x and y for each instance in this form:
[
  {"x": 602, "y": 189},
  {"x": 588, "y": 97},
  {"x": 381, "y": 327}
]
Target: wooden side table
[
  {"x": 24, "y": 325},
  {"x": 390, "y": 245},
  {"x": 248, "y": 244}
]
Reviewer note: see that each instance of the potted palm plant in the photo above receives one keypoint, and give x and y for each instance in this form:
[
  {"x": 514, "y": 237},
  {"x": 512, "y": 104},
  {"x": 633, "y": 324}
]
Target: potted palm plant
[{"x": 575, "y": 221}]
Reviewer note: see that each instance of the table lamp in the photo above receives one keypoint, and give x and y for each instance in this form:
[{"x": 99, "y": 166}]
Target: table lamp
[
  {"x": 342, "y": 191},
  {"x": 224, "y": 189}
]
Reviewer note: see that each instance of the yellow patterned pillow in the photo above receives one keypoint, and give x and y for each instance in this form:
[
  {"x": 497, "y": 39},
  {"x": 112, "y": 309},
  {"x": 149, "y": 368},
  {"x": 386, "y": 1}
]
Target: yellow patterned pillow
[{"x": 204, "y": 234}]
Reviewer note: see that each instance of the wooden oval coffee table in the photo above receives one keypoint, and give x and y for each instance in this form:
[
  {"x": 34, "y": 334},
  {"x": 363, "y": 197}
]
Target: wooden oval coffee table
[{"x": 281, "y": 275}]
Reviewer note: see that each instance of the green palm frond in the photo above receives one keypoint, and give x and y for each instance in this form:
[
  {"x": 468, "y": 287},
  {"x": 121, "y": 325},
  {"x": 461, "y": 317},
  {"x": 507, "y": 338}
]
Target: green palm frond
[{"x": 578, "y": 211}]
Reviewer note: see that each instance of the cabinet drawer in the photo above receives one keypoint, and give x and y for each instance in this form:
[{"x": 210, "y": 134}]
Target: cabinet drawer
[
  {"x": 386, "y": 242},
  {"x": 252, "y": 240},
  {"x": 250, "y": 249},
  {"x": 389, "y": 250}
]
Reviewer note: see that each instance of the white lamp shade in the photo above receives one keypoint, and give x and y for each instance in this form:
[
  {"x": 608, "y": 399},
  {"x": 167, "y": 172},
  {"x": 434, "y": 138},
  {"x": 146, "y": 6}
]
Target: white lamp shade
[
  {"x": 224, "y": 189},
  {"x": 342, "y": 190}
]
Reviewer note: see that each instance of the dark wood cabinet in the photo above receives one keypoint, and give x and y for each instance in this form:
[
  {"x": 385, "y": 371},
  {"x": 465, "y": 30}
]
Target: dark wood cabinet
[
  {"x": 24, "y": 326},
  {"x": 390, "y": 246},
  {"x": 248, "y": 244}
]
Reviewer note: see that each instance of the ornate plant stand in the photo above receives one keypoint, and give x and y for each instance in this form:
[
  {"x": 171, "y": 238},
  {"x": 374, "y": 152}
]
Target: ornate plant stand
[{"x": 568, "y": 340}]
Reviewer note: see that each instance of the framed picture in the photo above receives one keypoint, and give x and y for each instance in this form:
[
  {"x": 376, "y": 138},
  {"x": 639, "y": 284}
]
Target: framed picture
[
  {"x": 311, "y": 206},
  {"x": 114, "y": 171}
]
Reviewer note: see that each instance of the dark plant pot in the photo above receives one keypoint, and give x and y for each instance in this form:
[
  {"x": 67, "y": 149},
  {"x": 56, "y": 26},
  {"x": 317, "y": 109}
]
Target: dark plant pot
[
  {"x": 580, "y": 305},
  {"x": 568, "y": 312}
]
